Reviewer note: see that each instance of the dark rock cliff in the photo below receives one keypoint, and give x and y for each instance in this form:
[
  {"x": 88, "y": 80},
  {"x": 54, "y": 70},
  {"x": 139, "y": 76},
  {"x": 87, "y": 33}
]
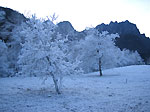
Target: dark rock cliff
[{"x": 130, "y": 37}]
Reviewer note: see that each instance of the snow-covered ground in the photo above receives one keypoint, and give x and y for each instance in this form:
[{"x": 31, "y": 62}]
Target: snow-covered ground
[{"x": 125, "y": 89}]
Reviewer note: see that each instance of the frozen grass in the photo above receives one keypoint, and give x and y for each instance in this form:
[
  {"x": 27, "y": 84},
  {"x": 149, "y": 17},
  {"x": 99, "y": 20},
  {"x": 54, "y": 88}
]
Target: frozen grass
[{"x": 124, "y": 89}]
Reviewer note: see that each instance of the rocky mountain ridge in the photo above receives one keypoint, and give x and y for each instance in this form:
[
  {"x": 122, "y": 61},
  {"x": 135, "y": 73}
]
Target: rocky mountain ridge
[{"x": 8, "y": 20}]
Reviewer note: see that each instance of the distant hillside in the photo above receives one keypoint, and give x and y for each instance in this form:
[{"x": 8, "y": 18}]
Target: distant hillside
[{"x": 130, "y": 37}]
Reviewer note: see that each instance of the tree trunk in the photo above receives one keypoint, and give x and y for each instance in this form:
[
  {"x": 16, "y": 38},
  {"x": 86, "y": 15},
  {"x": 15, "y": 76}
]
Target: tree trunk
[
  {"x": 100, "y": 67},
  {"x": 54, "y": 78},
  {"x": 56, "y": 84}
]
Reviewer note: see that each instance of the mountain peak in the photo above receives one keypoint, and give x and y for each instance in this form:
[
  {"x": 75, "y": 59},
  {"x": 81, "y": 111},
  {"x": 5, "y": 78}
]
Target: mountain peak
[{"x": 65, "y": 27}]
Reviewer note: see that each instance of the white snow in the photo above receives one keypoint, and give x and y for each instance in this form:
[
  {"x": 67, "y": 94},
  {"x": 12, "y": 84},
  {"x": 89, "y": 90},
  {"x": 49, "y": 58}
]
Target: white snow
[{"x": 124, "y": 89}]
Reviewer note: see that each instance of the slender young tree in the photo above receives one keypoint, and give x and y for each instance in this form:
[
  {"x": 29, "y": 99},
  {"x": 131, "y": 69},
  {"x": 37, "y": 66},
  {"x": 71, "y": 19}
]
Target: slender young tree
[
  {"x": 100, "y": 65},
  {"x": 98, "y": 51},
  {"x": 93, "y": 50}
]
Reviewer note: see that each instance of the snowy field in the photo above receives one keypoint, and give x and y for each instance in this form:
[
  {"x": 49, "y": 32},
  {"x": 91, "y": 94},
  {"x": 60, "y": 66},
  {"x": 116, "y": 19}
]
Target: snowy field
[{"x": 125, "y": 89}]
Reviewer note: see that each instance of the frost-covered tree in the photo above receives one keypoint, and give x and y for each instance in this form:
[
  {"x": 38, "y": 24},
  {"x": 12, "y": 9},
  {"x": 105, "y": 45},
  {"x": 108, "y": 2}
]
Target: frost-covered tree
[
  {"x": 98, "y": 51},
  {"x": 127, "y": 57},
  {"x": 4, "y": 63},
  {"x": 44, "y": 52},
  {"x": 9, "y": 20},
  {"x": 14, "y": 48},
  {"x": 96, "y": 47}
]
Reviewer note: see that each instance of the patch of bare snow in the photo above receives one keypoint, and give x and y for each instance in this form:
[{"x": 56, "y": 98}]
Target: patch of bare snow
[{"x": 124, "y": 89}]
